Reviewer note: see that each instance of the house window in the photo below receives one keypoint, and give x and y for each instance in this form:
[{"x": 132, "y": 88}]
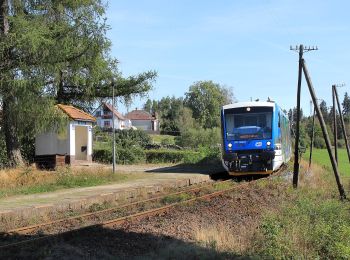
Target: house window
[
  {"x": 98, "y": 113},
  {"x": 106, "y": 123}
]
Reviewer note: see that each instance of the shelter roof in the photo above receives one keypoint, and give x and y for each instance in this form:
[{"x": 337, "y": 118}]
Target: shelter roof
[{"x": 75, "y": 113}]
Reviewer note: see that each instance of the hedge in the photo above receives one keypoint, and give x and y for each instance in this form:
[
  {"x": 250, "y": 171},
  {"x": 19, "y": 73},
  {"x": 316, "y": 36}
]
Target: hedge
[
  {"x": 138, "y": 155},
  {"x": 123, "y": 156},
  {"x": 172, "y": 156}
]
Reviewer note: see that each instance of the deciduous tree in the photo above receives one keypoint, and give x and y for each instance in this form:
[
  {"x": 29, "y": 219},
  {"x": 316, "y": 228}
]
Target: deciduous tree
[{"x": 205, "y": 98}]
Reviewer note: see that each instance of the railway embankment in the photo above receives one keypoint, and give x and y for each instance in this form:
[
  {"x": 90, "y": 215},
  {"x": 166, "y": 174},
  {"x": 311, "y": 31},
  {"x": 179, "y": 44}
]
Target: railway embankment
[
  {"x": 264, "y": 218},
  {"x": 145, "y": 181}
]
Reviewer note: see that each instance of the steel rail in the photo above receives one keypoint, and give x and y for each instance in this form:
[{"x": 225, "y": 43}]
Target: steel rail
[
  {"x": 121, "y": 220},
  {"x": 28, "y": 229},
  {"x": 125, "y": 219}
]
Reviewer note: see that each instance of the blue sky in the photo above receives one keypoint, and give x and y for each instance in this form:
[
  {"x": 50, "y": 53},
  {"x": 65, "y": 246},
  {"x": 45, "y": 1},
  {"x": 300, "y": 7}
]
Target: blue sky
[{"x": 239, "y": 44}]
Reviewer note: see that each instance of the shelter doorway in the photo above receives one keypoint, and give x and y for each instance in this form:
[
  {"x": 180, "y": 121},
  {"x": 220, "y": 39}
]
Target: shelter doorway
[{"x": 81, "y": 142}]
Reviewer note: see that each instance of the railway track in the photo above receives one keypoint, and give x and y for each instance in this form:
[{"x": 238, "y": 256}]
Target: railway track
[
  {"x": 66, "y": 225},
  {"x": 73, "y": 225}
]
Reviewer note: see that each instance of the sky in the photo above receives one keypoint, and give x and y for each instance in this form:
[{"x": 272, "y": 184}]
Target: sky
[{"x": 244, "y": 45}]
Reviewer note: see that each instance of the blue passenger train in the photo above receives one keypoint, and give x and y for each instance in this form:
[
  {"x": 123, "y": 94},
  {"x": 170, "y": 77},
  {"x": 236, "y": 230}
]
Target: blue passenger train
[{"x": 255, "y": 138}]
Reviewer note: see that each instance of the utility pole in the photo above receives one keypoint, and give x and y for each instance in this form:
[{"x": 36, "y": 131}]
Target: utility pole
[
  {"x": 335, "y": 125},
  {"x": 113, "y": 86},
  {"x": 342, "y": 121},
  {"x": 301, "y": 50},
  {"x": 324, "y": 131}
]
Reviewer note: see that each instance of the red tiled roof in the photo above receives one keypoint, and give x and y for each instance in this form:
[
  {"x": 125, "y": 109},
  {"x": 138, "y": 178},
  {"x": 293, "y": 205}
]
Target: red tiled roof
[
  {"x": 75, "y": 113},
  {"x": 139, "y": 115},
  {"x": 116, "y": 113}
]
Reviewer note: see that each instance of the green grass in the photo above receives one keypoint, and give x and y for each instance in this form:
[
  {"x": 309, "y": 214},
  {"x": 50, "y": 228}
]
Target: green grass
[
  {"x": 158, "y": 139},
  {"x": 321, "y": 157}
]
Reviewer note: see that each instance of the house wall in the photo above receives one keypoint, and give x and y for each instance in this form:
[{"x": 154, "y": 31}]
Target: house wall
[
  {"x": 142, "y": 124},
  {"x": 118, "y": 123}
]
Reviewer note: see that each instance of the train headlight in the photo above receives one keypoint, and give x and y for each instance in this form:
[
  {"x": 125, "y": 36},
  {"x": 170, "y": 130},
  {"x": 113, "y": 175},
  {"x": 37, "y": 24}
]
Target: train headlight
[
  {"x": 229, "y": 145},
  {"x": 268, "y": 143}
]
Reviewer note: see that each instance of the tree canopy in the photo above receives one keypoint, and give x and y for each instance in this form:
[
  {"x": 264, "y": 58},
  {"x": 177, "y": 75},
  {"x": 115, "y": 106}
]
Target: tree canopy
[
  {"x": 346, "y": 104},
  {"x": 205, "y": 99},
  {"x": 55, "y": 52}
]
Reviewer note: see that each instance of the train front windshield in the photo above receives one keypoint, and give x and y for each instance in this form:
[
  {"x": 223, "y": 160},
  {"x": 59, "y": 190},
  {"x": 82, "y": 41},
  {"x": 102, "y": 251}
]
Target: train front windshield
[{"x": 248, "y": 126}]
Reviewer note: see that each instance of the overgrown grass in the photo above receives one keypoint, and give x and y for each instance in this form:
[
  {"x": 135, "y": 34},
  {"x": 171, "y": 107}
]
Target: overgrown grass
[
  {"x": 311, "y": 227},
  {"x": 163, "y": 139},
  {"x": 310, "y": 223},
  {"x": 29, "y": 180}
]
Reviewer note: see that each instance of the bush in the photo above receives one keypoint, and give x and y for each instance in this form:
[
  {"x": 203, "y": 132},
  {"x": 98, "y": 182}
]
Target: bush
[
  {"x": 210, "y": 155},
  {"x": 102, "y": 155},
  {"x": 171, "y": 156},
  {"x": 167, "y": 141},
  {"x": 126, "y": 138},
  {"x": 123, "y": 155},
  {"x": 310, "y": 228},
  {"x": 195, "y": 138},
  {"x": 204, "y": 155},
  {"x": 319, "y": 142},
  {"x": 130, "y": 155},
  {"x": 341, "y": 143}
]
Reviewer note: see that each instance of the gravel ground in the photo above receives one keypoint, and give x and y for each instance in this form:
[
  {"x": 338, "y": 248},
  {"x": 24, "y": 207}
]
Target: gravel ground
[{"x": 181, "y": 233}]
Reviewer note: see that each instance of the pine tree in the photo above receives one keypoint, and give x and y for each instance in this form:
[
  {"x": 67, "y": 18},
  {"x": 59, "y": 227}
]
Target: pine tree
[{"x": 346, "y": 104}]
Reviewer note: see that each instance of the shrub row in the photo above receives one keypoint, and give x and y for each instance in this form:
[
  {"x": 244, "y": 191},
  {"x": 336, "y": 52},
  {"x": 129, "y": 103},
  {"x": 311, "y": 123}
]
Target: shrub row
[
  {"x": 138, "y": 155},
  {"x": 172, "y": 156},
  {"x": 123, "y": 156}
]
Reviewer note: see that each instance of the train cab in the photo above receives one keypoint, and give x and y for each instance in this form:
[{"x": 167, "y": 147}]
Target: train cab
[{"x": 255, "y": 138}]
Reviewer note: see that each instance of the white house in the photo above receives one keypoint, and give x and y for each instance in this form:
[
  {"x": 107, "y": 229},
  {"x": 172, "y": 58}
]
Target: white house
[
  {"x": 75, "y": 145},
  {"x": 143, "y": 120},
  {"x": 104, "y": 118}
]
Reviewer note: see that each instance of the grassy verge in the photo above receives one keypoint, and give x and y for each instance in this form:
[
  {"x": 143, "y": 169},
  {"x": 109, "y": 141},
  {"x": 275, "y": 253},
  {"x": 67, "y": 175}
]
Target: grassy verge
[
  {"x": 29, "y": 180},
  {"x": 308, "y": 223}
]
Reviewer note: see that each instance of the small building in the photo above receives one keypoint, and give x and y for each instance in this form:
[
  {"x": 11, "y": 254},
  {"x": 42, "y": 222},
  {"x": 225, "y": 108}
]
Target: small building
[
  {"x": 104, "y": 118},
  {"x": 143, "y": 120},
  {"x": 72, "y": 147}
]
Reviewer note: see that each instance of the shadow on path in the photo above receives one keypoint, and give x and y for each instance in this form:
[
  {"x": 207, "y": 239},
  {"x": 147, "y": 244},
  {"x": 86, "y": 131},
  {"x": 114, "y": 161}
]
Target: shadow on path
[
  {"x": 189, "y": 169},
  {"x": 104, "y": 243}
]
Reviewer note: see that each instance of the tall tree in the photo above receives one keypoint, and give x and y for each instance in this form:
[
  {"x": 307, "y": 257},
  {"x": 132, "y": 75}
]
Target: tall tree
[
  {"x": 205, "y": 99},
  {"x": 54, "y": 51},
  {"x": 324, "y": 110},
  {"x": 346, "y": 104},
  {"x": 148, "y": 106}
]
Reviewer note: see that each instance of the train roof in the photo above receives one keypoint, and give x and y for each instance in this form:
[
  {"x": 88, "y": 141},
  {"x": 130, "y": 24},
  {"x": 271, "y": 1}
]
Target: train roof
[{"x": 250, "y": 104}]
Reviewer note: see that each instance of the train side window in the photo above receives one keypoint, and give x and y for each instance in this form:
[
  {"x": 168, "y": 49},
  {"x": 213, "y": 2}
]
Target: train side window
[{"x": 279, "y": 120}]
